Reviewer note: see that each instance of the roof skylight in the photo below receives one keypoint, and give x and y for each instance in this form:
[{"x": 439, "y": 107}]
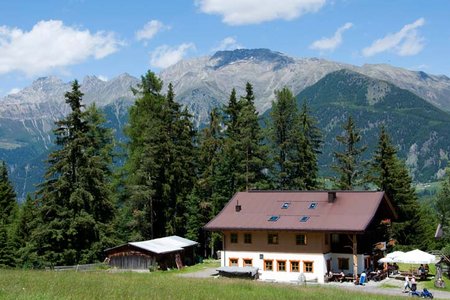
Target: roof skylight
[
  {"x": 313, "y": 205},
  {"x": 304, "y": 218},
  {"x": 285, "y": 205},
  {"x": 273, "y": 218}
]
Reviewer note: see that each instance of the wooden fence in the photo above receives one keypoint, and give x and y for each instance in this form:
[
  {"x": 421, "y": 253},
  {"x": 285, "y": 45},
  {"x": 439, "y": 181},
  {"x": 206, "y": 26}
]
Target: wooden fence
[{"x": 76, "y": 268}]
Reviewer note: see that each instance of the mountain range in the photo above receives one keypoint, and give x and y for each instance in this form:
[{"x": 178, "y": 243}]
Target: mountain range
[{"x": 376, "y": 93}]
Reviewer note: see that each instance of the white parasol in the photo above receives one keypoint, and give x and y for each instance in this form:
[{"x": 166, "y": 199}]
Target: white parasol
[
  {"x": 391, "y": 257},
  {"x": 416, "y": 257}
]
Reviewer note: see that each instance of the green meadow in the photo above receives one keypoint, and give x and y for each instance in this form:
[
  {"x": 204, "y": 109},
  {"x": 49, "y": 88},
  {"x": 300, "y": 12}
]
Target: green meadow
[{"x": 106, "y": 284}]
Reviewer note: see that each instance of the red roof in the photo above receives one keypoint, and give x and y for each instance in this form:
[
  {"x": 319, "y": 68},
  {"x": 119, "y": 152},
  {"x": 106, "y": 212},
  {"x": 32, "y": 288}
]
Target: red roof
[{"x": 351, "y": 211}]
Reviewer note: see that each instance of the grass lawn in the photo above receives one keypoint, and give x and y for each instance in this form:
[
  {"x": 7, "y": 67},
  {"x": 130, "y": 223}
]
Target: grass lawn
[
  {"x": 429, "y": 283},
  {"x": 20, "y": 284}
]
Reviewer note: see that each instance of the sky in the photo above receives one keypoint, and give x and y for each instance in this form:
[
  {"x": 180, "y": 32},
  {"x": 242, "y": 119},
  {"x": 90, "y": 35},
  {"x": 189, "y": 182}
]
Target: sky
[{"x": 74, "y": 38}]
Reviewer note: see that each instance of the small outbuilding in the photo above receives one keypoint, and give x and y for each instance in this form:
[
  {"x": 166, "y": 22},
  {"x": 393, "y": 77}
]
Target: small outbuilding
[{"x": 167, "y": 252}]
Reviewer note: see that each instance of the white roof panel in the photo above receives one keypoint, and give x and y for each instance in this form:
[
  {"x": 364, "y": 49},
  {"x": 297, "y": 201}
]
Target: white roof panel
[{"x": 165, "y": 244}]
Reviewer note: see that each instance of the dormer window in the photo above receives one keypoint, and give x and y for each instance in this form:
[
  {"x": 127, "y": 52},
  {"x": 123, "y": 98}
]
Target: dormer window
[
  {"x": 285, "y": 205},
  {"x": 313, "y": 205},
  {"x": 304, "y": 219},
  {"x": 273, "y": 218}
]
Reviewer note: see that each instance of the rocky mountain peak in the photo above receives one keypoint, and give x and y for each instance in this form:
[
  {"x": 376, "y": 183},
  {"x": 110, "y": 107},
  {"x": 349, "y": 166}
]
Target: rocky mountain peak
[{"x": 224, "y": 58}]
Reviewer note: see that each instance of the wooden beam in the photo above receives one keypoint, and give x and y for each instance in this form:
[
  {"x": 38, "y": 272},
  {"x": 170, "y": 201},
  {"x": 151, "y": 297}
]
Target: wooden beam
[{"x": 355, "y": 258}]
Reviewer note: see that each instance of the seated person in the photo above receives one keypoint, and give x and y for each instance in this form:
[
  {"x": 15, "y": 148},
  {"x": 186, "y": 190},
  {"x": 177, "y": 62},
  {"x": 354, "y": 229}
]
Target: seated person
[{"x": 395, "y": 269}]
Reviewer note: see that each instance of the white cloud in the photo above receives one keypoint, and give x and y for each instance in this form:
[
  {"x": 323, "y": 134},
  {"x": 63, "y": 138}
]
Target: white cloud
[
  {"x": 14, "y": 91},
  {"x": 405, "y": 42},
  {"x": 228, "y": 43},
  {"x": 150, "y": 30},
  {"x": 51, "y": 44},
  {"x": 330, "y": 44},
  {"x": 165, "y": 56},
  {"x": 241, "y": 12}
]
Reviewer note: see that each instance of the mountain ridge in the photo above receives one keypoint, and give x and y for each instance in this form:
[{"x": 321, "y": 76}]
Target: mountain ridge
[
  {"x": 200, "y": 84},
  {"x": 417, "y": 128}
]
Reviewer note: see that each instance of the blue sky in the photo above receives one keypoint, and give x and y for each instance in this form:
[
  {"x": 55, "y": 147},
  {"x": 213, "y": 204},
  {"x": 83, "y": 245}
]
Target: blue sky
[{"x": 74, "y": 38}]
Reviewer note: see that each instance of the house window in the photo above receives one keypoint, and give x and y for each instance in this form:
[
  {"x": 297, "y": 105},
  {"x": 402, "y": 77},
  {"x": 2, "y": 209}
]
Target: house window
[
  {"x": 248, "y": 238},
  {"x": 272, "y": 238},
  {"x": 300, "y": 239},
  {"x": 268, "y": 265},
  {"x": 343, "y": 263},
  {"x": 234, "y": 262},
  {"x": 248, "y": 262},
  {"x": 295, "y": 266},
  {"x": 327, "y": 238},
  {"x": 308, "y": 267},
  {"x": 281, "y": 265},
  {"x": 234, "y": 238}
]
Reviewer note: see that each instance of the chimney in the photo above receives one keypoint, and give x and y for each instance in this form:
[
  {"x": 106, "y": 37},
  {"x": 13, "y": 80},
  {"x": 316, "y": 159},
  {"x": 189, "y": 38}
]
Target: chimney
[
  {"x": 238, "y": 207},
  {"x": 331, "y": 197}
]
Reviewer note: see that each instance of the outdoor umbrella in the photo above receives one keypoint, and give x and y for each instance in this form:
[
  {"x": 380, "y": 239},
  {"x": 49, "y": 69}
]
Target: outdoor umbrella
[
  {"x": 416, "y": 257},
  {"x": 391, "y": 257}
]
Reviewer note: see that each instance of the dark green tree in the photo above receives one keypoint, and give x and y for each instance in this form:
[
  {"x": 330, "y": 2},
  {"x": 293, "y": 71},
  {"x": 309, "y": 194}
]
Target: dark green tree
[
  {"x": 160, "y": 167},
  {"x": 75, "y": 209},
  {"x": 391, "y": 175},
  {"x": 310, "y": 147},
  {"x": 8, "y": 213},
  {"x": 349, "y": 163},
  {"x": 8, "y": 202},
  {"x": 442, "y": 208},
  {"x": 252, "y": 153},
  {"x": 285, "y": 136},
  {"x": 27, "y": 222},
  {"x": 207, "y": 197}
]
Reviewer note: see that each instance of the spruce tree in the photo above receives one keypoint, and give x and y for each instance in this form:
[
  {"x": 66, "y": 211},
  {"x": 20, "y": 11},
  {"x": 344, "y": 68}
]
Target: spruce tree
[
  {"x": 285, "y": 136},
  {"x": 26, "y": 223},
  {"x": 8, "y": 202},
  {"x": 160, "y": 164},
  {"x": 349, "y": 164},
  {"x": 442, "y": 206},
  {"x": 391, "y": 176},
  {"x": 74, "y": 201},
  {"x": 8, "y": 213},
  {"x": 310, "y": 147},
  {"x": 145, "y": 130},
  {"x": 251, "y": 150},
  {"x": 206, "y": 199}
]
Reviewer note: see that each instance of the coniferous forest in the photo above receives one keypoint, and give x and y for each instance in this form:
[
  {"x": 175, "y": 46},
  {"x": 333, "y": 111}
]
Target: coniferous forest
[{"x": 171, "y": 178}]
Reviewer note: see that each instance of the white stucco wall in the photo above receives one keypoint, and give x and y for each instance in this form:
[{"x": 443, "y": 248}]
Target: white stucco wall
[{"x": 319, "y": 266}]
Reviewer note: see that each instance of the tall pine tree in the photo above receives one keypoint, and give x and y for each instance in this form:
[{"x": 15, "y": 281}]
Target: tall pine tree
[
  {"x": 391, "y": 175},
  {"x": 160, "y": 165},
  {"x": 8, "y": 213},
  {"x": 74, "y": 201},
  {"x": 285, "y": 136},
  {"x": 349, "y": 164},
  {"x": 252, "y": 153},
  {"x": 310, "y": 147}
]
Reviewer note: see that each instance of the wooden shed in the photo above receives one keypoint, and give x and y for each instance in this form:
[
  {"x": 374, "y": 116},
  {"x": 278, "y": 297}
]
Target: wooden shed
[{"x": 167, "y": 252}]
